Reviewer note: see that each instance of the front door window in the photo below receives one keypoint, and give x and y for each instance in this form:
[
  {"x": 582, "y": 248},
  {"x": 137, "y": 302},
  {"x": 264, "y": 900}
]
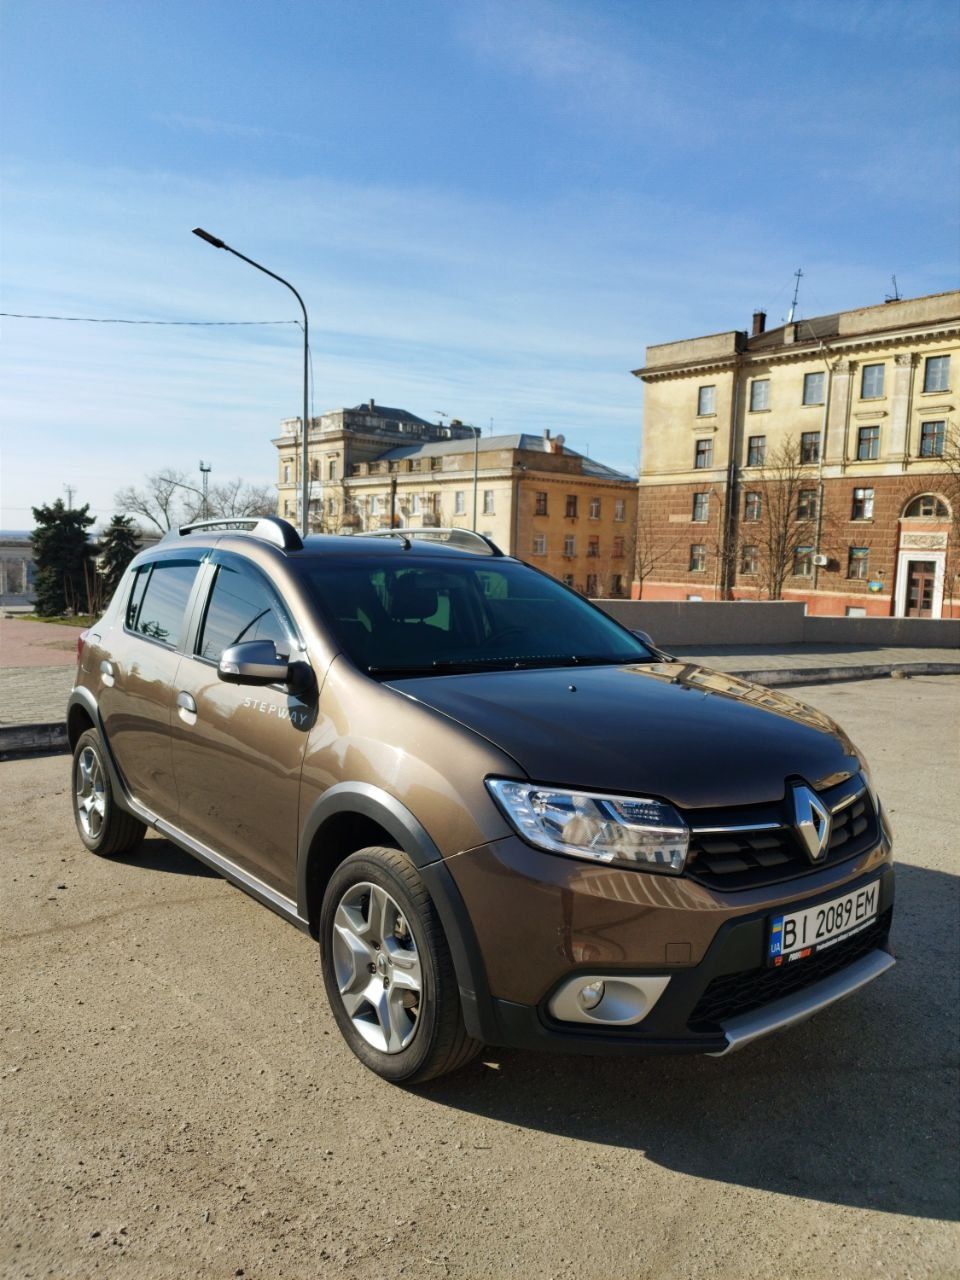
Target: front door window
[{"x": 921, "y": 576}]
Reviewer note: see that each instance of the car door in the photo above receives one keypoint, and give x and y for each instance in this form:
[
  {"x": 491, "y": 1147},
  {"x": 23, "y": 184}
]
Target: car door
[
  {"x": 238, "y": 749},
  {"x": 136, "y": 677}
]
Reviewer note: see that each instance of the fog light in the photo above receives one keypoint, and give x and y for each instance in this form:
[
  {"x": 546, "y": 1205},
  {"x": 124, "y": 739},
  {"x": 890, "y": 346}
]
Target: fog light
[{"x": 591, "y": 995}]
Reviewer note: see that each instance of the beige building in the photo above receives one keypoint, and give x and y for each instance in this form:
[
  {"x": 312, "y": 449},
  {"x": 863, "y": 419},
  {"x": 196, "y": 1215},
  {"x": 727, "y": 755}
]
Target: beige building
[
  {"x": 377, "y": 468},
  {"x": 822, "y": 452}
]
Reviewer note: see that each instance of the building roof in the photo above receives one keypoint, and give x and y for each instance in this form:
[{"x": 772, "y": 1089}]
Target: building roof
[
  {"x": 371, "y": 408},
  {"x": 520, "y": 440}
]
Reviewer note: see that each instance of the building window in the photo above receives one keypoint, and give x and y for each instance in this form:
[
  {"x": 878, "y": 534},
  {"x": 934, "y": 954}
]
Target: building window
[
  {"x": 488, "y": 502},
  {"x": 931, "y": 439},
  {"x": 415, "y": 464},
  {"x": 286, "y": 508},
  {"x": 616, "y": 584},
  {"x": 809, "y": 446},
  {"x": 332, "y": 470},
  {"x": 756, "y": 451},
  {"x": 855, "y": 611},
  {"x": 415, "y": 505},
  {"x": 862, "y": 505},
  {"x": 618, "y": 548},
  {"x": 568, "y": 580},
  {"x": 701, "y": 507},
  {"x": 620, "y": 509},
  {"x": 592, "y": 588},
  {"x": 752, "y": 505},
  {"x": 807, "y": 504},
  {"x": 539, "y": 544},
  {"x": 594, "y": 508},
  {"x": 314, "y": 470},
  {"x": 868, "y": 444},
  {"x": 750, "y": 559},
  {"x": 871, "y": 382},
  {"x": 857, "y": 562},
  {"x": 698, "y": 557},
  {"x": 375, "y": 505},
  {"x": 593, "y": 546},
  {"x": 813, "y": 384},
  {"x": 571, "y": 505},
  {"x": 927, "y": 507},
  {"x": 803, "y": 562},
  {"x": 706, "y": 401},
  {"x": 569, "y": 546},
  {"x": 331, "y": 506},
  {"x": 286, "y": 473},
  {"x": 460, "y": 503},
  {"x": 759, "y": 394},
  {"x": 936, "y": 373},
  {"x": 704, "y": 455},
  {"x": 436, "y": 464},
  {"x": 541, "y": 508}
]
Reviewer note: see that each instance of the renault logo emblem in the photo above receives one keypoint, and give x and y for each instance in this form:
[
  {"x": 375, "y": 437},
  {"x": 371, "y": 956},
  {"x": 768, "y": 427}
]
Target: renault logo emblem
[{"x": 811, "y": 820}]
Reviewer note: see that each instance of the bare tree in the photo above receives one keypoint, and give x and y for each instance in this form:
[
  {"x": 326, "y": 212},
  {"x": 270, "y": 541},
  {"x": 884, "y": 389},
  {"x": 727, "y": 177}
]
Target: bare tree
[
  {"x": 160, "y": 501},
  {"x": 167, "y": 498},
  {"x": 788, "y": 518},
  {"x": 649, "y": 548},
  {"x": 237, "y": 498}
]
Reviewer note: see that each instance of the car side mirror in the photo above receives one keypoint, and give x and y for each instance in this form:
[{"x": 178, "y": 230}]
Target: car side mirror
[{"x": 253, "y": 662}]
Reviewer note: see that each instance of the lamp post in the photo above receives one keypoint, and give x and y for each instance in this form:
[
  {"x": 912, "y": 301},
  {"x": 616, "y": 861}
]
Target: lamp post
[
  {"x": 304, "y": 471},
  {"x": 205, "y": 470}
]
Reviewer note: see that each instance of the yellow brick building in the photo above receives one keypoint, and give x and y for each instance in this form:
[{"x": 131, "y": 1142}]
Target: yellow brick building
[
  {"x": 867, "y": 401},
  {"x": 374, "y": 467}
]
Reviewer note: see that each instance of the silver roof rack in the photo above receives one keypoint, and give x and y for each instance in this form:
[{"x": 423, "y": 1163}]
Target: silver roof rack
[
  {"x": 273, "y": 529},
  {"x": 461, "y": 539}
]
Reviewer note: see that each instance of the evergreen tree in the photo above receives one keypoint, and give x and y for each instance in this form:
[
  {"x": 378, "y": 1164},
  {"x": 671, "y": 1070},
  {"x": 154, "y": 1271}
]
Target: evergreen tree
[
  {"x": 119, "y": 544},
  {"x": 61, "y": 553}
]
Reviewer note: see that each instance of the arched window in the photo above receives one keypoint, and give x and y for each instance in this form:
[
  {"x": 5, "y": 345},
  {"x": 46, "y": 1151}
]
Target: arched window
[{"x": 928, "y": 506}]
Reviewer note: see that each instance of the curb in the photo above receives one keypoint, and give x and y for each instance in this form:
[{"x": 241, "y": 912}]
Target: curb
[
  {"x": 17, "y": 740},
  {"x": 32, "y": 739}
]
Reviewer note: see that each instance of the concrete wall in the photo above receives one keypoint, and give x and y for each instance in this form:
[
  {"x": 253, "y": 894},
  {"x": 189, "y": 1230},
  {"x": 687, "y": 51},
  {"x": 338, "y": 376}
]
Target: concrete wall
[{"x": 744, "y": 622}]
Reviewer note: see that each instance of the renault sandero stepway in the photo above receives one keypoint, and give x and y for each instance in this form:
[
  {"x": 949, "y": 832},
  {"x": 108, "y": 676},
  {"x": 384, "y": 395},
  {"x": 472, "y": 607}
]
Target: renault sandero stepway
[{"x": 505, "y": 818}]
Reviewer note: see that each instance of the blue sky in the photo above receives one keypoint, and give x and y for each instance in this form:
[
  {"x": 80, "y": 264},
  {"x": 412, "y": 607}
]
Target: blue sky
[{"x": 490, "y": 208}]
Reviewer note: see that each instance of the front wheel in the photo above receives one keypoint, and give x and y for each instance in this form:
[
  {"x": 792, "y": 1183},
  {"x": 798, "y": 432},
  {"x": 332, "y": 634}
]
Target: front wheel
[
  {"x": 103, "y": 826},
  {"x": 388, "y": 972}
]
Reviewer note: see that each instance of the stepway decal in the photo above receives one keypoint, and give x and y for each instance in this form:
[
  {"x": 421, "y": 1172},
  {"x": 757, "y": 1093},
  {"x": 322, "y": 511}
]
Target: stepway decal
[{"x": 297, "y": 715}]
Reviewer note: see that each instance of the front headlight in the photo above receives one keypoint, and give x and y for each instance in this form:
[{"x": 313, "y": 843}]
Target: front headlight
[{"x": 620, "y": 830}]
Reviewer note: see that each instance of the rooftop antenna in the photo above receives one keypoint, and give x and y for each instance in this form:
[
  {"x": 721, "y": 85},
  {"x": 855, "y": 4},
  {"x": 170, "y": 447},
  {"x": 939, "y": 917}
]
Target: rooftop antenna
[
  {"x": 896, "y": 295},
  {"x": 796, "y": 289}
]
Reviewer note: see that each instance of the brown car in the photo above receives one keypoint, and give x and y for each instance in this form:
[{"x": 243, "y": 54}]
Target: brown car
[{"x": 506, "y": 818}]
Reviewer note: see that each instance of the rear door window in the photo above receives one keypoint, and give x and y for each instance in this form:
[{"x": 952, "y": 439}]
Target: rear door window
[{"x": 158, "y": 602}]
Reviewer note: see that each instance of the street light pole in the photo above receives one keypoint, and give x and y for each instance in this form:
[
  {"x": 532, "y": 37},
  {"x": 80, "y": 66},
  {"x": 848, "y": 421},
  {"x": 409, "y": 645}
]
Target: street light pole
[
  {"x": 205, "y": 470},
  {"x": 305, "y": 477}
]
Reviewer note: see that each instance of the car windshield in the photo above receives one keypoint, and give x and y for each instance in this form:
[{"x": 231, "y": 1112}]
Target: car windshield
[{"x": 438, "y": 617}]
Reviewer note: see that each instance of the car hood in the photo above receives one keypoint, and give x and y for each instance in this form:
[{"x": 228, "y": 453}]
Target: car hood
[{"x": 688, "y": 734}]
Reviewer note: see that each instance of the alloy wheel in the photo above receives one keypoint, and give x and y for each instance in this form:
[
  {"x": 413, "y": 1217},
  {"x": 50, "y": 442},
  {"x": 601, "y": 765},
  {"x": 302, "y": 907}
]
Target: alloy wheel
[{"x": 91, "y": 801}]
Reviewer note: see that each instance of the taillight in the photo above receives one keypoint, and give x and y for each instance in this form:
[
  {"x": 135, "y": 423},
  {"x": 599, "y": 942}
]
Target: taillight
[{"x": 81, "y": 639}]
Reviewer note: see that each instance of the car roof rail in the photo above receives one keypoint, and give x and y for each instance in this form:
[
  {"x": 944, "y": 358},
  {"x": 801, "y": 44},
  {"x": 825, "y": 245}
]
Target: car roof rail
[
  {"x": 461, "y": 539},
  {"x": 273, "y": 529}
]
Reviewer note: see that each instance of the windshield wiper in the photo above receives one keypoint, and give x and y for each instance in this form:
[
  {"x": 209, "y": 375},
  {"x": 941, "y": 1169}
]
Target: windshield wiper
[{"x": 454, "y": 666}]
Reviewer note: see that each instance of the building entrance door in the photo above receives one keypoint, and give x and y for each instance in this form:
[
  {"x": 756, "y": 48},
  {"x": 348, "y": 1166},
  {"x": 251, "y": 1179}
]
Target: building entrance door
[{"x": 921, "y": 578}]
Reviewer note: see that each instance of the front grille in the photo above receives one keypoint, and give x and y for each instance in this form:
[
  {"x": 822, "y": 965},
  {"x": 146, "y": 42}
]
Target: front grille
[
  {"x": 737, "y": 993},
  {"x": 729, "y": 859}
]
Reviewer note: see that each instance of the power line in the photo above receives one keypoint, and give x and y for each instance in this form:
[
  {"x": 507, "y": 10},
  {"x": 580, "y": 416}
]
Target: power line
[{"x": 16, "y": 315}]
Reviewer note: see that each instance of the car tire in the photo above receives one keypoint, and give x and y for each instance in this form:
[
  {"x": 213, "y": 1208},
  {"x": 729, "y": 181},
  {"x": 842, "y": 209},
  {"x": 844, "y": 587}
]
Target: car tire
[
  {"x": 388, "y": 972},
  {"x": 103, "y": 826}
]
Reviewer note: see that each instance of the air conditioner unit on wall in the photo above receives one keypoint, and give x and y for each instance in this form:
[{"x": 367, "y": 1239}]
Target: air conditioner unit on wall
[{"x": 821, "y": 561}]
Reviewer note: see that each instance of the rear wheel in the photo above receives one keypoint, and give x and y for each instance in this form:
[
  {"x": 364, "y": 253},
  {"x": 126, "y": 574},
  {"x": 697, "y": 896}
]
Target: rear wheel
[
  {"x": 388, "y": 972},
  {"x": 104, "y": 828}
]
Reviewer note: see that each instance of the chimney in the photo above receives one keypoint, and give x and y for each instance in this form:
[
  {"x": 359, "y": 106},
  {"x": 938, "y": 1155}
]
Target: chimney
[
  {"x": 372, "y": 404},
  {"x": 759, "y": 323}
]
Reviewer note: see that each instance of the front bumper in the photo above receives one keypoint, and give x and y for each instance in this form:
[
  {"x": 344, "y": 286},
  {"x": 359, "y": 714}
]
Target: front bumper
[{"x": 556, "y": 917}]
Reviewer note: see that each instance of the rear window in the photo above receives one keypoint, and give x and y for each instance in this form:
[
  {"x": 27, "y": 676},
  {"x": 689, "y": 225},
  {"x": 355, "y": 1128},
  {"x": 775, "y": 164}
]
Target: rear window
[
  {"x": 441, "y": 615},
  {"x": 158, "y": 601}
]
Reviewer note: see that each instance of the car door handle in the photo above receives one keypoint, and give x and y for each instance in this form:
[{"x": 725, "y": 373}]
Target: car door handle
[{"x": 187, "y": 707}]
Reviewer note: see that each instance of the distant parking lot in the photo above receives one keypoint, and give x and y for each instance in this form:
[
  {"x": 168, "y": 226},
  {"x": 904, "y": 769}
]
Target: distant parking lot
[{"x": 177, "y": 1100}]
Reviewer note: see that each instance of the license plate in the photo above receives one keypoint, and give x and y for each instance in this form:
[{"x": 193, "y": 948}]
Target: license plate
[{"x": 803, "y": 933}]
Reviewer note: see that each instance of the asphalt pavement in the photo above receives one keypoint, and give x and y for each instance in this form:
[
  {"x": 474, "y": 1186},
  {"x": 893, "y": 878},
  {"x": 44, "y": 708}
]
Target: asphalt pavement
[{"x": 178, "y": 1103}]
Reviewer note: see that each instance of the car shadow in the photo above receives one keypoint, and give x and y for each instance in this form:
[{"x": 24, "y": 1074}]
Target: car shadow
[
  {"x": 159, "y": 854},
  {"x": 856, "y": 1107}
]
